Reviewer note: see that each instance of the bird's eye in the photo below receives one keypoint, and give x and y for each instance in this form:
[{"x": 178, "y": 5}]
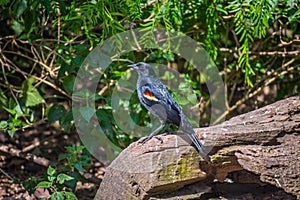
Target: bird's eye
[{"x": 138, "y": 64}]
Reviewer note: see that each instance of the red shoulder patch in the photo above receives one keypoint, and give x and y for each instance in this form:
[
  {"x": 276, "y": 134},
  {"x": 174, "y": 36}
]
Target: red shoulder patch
[{"x": 150, "y": 96}]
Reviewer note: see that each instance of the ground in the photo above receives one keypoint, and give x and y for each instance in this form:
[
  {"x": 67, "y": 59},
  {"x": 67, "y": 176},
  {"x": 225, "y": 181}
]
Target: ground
[{"x": 43, "y": 141}]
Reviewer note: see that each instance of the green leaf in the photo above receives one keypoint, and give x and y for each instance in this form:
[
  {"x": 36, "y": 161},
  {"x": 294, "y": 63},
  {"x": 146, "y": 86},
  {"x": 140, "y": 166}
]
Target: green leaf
[
  {"x": 43, "y": 184},
  {"x": 51, "y": 171},
  {"x": 79, "y": 148},
  {"x": 31, "y": 94},
  {"x": 69, "y": 195},
  {"x": 20, "y": 7},
  {"x": 62, "y": 157},
  {"x": 103, "y": 114},
  {"x": 57, "y": 196},
  {"x": 79, "y": 167},
  {"x": 220, "y": 8},
  {"x": 65, "y": 121},
  {"x": 51, "y": 178},
  {"x": 11, "y": 111},
  {"x": 192, "y": 98},
  {"x": 64, "y": 68},
  {"x": 3, "y": 124},
  {"x": 48, "y": 6},
  {"x": 169, "y": 56},
  {"x": 17, "y": 27},
  {"x": 69, "y": 83},
  {"x": 4, "y": 2},
  {"x": 294, "y": 17},
  {"x": 63, "y": 195},
  {"x": 87, "y": 112},
  {"x": 55, "y": 113},
  {"x": 16, "y": 122},
  {"x": 3, "y": 98},
  {"x": 11, "y": 132},
  {"x": 85, "y": 160},
  {"x": 64, "y": 177},
  {"x": 71, "y": 149},
  {"x": 19, "y": 112}
]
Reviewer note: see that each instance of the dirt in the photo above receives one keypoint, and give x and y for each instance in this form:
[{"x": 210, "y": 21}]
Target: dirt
[{"x": 43, "y": 141}]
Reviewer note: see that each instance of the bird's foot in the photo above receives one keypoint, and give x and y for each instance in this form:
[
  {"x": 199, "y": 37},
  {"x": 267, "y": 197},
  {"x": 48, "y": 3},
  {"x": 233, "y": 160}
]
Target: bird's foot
[
  {"x": 168, "y": 133},
  {"x": 160, "y": 139},
  {"x": 147, "y": 138},
  {"x": 144, "y": 140}
]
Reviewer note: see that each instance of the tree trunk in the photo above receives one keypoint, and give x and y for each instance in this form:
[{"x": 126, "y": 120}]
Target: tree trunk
[{"x": 254, "y": 156}]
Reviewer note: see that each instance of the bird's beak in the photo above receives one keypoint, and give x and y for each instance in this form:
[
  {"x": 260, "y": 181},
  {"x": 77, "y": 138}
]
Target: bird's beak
[{"x": 132, "y": 66}]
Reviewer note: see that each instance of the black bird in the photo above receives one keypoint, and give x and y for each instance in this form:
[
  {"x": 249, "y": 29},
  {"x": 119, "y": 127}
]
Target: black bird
[{"x": 155, "y": 97}]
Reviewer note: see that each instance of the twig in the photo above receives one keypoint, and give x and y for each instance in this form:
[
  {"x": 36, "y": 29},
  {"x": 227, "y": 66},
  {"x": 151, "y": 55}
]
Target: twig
[
  {"x": 53, "y": 86},
  {"x": 101, "y": 92},
  {"x": 266, "y": 53},
  {"x": 252, "y": 94},
  {"x": 27, "y": 156},
  {"x": 122, "y": 60},
  {"x": 29, "y": 58},
  {"x": 280, "y": 53},
  {"x": 31, "y": 125},
  {"x": 44, "y": 81},
  {"x": 38, "y": 143},
  {"x": 135, "y": 40},
  {"x": 6, "y": 174}
]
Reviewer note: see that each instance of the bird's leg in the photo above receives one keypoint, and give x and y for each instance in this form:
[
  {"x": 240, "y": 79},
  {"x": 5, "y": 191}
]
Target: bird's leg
[
  {"x": 173, "y": 133},
  {"x": 166, "y": 130},
  {"x": 153, "y": 133}
]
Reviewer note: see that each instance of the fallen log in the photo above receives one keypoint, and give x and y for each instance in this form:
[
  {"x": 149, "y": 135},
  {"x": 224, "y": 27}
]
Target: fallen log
[{"x": 254, "y": 155}]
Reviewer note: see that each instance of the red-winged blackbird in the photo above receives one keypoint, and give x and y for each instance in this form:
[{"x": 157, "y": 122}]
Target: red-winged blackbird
[{"x": 155, "y": 97}]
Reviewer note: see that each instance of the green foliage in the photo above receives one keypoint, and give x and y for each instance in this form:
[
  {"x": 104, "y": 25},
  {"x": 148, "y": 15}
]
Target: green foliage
[
  {"x": 74, "y": 162},
  {"x": 45, "y": 42},
  {"x": 251, "y": 20},
  {"x": 95, "y": 21},
  {"x": 60, "y": 179},
  {"x": 15, "y": 112},
  {"x": 32, "y": 97},
  {"x": 54, "y": 183},
  {"x": 58, "y": 35},
  {"x": 4, "y": 2}
]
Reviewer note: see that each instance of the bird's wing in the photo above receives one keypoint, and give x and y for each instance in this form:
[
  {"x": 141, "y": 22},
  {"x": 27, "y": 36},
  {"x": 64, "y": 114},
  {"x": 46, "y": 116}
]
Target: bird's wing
[{"x": 158, "y": 94}]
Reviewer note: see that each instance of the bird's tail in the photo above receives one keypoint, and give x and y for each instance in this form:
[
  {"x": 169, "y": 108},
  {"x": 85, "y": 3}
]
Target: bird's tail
[
  {"x": 187, "y": 128},
  {"x": 198, "y": 145}
]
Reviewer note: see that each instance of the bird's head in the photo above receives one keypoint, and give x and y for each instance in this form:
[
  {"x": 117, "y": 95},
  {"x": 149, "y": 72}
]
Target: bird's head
[{"x": 143, "y": 69}]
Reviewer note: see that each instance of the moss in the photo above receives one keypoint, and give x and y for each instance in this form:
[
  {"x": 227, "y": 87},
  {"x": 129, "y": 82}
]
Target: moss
[{"x": 185, "y": 168}]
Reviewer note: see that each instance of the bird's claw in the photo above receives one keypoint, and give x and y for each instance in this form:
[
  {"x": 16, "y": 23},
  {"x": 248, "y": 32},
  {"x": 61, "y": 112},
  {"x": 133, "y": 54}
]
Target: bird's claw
[
  {"x": 160, "y": 139},
  {"x": 168, "y": 133},
  {"x": 146, "y": 139}
]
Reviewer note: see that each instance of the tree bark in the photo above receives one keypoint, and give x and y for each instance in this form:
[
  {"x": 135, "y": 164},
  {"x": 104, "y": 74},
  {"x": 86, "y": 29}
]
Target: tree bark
[{"x": 254, "y": 155}]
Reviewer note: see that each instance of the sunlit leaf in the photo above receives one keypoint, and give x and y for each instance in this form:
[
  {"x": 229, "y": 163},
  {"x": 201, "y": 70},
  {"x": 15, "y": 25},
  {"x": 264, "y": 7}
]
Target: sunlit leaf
[{"x": 31, "y": 94}]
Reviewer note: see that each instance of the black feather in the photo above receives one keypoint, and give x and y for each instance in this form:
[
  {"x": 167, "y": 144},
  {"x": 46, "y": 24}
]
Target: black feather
[{"x": 161, "y": 104}]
